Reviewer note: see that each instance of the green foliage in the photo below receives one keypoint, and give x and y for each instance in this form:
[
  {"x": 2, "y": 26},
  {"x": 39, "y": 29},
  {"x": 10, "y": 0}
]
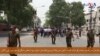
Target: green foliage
[
  {"x": 19, "y": 12},
  {"x": 1, "y": 5},
  {"x": 26, "y": 16},
  {"x": 23, "y": 17},
  {"x": 61, "y": 12},
  {"x": 57, "y": 13},
  {"x": 77, "y": 15},
  {"x": 2, "y": 20}
]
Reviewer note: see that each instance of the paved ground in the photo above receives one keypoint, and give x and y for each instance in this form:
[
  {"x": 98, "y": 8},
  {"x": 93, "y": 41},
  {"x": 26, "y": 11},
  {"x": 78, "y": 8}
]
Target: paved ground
[
  {"x": 27, "y": 41},
  {"x": 5, "y": 34}
]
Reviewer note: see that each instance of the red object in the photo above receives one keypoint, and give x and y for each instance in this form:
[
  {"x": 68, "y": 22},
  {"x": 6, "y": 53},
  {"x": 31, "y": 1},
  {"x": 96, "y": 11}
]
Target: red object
[{"x": 3, "y": 27}]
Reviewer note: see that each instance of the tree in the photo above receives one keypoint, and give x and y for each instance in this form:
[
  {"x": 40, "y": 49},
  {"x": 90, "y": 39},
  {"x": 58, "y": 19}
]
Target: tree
[
  {"x": 58, "y": 13},
  {"x": 1, "y": 5},
  {"x": 22, "y": 18},
  {"x": 19, "y": 12},
  {"x": 2, "y": 20},
  {"x": 25, "y": 17},
  {"x": 14, "y": 6},
  {"x": 62, "y": 12},
  {"x": 47, "y": 23},
  {"x": 77, "y": 14}
]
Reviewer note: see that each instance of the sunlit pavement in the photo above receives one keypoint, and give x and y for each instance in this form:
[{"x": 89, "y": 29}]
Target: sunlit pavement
[{"x": 27, "y": 41}]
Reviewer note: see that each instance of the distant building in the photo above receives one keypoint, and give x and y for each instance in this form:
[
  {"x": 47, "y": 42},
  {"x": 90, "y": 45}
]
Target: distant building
[
  {"x": 37, "y": 21},
  {"x": 95, "y": 20}
]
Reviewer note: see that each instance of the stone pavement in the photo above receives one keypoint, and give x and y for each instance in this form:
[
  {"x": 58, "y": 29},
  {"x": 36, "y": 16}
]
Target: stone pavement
[{"x": 27, "y": 41}]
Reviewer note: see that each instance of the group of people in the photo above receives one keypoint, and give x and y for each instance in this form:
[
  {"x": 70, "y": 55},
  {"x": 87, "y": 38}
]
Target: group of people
[
  {"x": 53, "y": 32},
  {"x": 14, "y": 37},
  {"x": 69, "y": 36},
  {"x": 46, "y": 32}
]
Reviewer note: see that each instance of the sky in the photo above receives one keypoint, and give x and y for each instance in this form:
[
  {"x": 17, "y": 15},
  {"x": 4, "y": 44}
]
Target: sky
[{"x": 42, "y": 6}]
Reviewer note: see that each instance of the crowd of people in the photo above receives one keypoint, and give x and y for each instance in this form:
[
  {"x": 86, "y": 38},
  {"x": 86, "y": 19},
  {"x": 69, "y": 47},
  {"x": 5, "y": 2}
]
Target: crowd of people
[
  {"x": 68, "y": 33},
  {"x": 46, "y": 32},
  {"x": 14, "y": 36}
]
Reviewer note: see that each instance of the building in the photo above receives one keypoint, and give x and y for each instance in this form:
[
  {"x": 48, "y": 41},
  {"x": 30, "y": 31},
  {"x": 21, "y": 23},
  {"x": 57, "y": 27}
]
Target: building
[
  {"x": 37, "y": 21},
  {"x": 95, "y": 20}
]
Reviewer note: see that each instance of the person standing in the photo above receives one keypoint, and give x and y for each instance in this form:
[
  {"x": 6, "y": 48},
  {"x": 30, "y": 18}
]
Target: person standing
[
  {"x": 42, "y": 31},
  {"x": 99, "y": 38},
  {"x": 69, "y": 37},
  {"x": 53, "y": 35},
  {"x": 80, "y": 31},
  {"x": 90, "y": 38},
  {"x": 76, "y": 33},
  {"x": 35, "y": 34},
  {"x": 13, "y": 39}
]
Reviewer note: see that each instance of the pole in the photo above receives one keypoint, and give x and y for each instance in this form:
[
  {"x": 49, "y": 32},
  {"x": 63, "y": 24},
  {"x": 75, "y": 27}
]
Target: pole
[
  {"x": 91, "y": 6},
  {"x": 90, "y": 18},
  {"x": 70, "y": 24},
  {"x": 95, "y": 19},
  {"x": 95, "y": 22}
]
